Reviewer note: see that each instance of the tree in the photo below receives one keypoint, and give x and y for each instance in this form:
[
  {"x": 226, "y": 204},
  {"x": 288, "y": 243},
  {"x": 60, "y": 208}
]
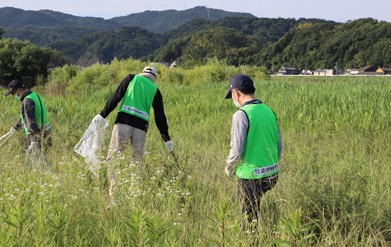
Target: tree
[
  {"x": 1, "y": 31},
  {"x": 25, "y": 61}
]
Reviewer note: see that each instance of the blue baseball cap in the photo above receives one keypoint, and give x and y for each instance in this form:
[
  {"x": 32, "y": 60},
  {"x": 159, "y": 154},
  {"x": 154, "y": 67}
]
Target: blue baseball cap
[
  {"x": 14, "y": 85},
  {"x": 239, "y": 80}
]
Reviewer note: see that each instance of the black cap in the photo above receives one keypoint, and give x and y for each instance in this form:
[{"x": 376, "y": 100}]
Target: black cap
[
  {"x": 239, "y": 80},
  {"x": 14, "y": 85}
]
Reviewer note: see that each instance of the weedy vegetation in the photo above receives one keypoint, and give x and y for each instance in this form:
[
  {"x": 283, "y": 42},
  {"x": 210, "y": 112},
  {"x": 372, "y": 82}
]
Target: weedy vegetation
[{"x": 333, "y": 189}]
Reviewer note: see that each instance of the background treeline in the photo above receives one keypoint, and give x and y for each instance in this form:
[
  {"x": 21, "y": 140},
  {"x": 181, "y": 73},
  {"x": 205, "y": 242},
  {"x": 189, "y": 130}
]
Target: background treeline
[
  {"x": 106, "y": 45},
  {"x": 311, "y": 43},
  {"x": 25, "y": 61},
  {"x": 355, "y": 43},
  {"x": 223, "y": 43},
  {"x": 317, "y": 45},
  {"x": 86, "y": 40},
  {"x": 138, "y": 43},
  {"x": 41, "y": 36},
  {"x": 266, "y": 30}
]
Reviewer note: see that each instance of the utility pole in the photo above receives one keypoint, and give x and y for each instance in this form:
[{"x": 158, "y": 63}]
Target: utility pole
[
  {"x": 384, "y": 64},
  {"x": 336, "y": 68},
  {"x": 354, "y": 64},
  {"x": 208, "y": 11},
  {"x": 151, "y": 7}
]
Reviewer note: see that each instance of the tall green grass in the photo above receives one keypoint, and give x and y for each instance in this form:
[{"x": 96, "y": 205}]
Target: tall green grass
[
  {"x": 73, "y": 78},
  {"x": 335, "y": 169}
]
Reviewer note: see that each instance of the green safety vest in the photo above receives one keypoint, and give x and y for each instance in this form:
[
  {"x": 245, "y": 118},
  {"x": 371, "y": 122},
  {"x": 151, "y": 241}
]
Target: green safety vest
[
  {"x": 39, "y": 111},
  {"x": 260, "y": 155},
  {"x": 139, "y": 97}
]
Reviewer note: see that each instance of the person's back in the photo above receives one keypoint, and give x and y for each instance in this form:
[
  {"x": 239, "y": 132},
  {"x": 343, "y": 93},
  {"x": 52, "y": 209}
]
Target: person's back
[
  {"x": 260, "y": 155},
  {"x": 139, "y": 97},
  {"x": 255, "y": 146},
  {"x": 33, "y": 120},
  {"x": 137, "y": 94}
]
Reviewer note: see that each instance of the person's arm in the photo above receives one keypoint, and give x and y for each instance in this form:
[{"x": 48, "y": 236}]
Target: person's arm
[
  {"x": 18, "y": 124},
  {"x": 160, "y": 117},
  {"x": 279, "y": 143},
  {"x": 29, "y": 118},
  {"x": 117, "y": 96},
  {"x": 238, "y": 138}
]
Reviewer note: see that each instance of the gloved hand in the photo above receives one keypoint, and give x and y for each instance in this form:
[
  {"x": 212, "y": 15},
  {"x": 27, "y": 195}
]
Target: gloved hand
[
  {"x": 12, "y": 131},
  {"x": 230, "y": 172},
  {"x": 33, "y": 147},
  {"x": 170, "y": 145},
  {"x": 97, "y": 118}
]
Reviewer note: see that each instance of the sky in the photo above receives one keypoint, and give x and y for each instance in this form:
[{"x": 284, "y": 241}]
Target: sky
[{"x": 337, "y": 10}]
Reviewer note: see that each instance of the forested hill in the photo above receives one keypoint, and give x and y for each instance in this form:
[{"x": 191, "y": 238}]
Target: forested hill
[
  {"x": 255, "y": 41},
  {"x": 223, "y": 43},
  {"x": 15, "y": 18},
  {"x": 318, "y": 45},
  {"x": 263, "y": 30},
  {"x": 363, "y": 41},
  {"x": 163, "y": 21},
  {"x": 41, "y": 36},
  {"x": 105, "y": 45},
  {"x": 266, "y": 30}
]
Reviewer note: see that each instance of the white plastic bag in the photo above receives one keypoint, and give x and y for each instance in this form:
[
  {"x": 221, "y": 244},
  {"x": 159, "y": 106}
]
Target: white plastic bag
[{"x": 91, "y": 143}]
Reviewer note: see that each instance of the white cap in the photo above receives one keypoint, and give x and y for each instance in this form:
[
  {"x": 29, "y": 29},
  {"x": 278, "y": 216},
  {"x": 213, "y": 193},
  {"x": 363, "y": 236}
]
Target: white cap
[{"x": 150, "y": 69}]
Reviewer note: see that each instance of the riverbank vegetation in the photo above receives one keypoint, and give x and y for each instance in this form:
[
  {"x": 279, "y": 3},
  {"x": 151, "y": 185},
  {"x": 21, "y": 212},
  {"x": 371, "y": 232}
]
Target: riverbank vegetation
[{"x": 334, "y": 173}]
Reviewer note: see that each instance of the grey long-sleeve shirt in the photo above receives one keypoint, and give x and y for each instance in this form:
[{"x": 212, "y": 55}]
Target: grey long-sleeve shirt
[
  {"x": 27, "y": 109},
  {"x": 239, "y": 132}
]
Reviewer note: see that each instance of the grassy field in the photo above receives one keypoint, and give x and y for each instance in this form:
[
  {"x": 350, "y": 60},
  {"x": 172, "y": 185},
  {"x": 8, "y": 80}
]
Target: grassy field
[{"x": 335, "y": 170}]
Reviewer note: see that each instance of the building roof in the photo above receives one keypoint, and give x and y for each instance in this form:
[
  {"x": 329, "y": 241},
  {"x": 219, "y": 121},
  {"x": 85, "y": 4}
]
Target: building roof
[
  {"x": 320, "y": 70},
  {"x": 289, "y": 68},
  {"x": 366, "y": 67},
  {"x": 385, "y": 69}
]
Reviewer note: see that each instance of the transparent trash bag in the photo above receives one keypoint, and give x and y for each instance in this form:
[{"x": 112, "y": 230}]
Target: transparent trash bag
[{"x": 91, "y": 143}]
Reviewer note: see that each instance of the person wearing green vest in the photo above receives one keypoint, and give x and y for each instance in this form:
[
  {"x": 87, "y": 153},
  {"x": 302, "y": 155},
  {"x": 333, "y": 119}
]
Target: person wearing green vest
[
  {"x": 137, "y": 94},
  {"x": 34, "y": 121},
  {"x": 255, "y": 146}
]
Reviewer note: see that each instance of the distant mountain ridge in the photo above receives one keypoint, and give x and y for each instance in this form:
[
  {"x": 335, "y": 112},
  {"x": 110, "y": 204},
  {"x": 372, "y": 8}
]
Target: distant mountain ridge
[
  {"x": 153, "y": 21},
  {"x": 265, "y": 30},
  {"x": 15, "y": 18},
  {"x": 140, "y": 43},
  {"x": 310, "y": 43},
  {"x": 41, "y": 36},
  {"x": 166, "y": 20}
]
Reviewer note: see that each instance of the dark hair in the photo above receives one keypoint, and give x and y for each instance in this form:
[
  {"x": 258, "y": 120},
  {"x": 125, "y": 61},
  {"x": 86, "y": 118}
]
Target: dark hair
[{"x": 246, "y": 90}]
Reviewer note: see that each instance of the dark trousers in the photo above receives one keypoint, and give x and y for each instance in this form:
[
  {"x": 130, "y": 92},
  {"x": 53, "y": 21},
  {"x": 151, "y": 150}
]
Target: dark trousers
[{"x": 250, "y": 192}]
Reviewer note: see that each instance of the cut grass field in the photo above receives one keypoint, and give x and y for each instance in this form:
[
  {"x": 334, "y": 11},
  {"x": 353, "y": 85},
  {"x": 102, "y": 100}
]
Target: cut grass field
[{"x": 335, "y": 170}]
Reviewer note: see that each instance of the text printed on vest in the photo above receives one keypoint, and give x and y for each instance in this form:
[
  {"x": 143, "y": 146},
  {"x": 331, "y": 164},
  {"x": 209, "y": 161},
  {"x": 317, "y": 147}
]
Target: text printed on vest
[
  {"x": 134, "y": 110},
  {"x": 265, "y": 170}
]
